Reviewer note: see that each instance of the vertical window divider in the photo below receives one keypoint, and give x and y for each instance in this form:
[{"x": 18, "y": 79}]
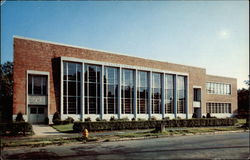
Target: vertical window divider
[
  {"x": 163, "y": 95},
  {"x": 76, "y": 90},
  {"x": 102, "y": 91}
]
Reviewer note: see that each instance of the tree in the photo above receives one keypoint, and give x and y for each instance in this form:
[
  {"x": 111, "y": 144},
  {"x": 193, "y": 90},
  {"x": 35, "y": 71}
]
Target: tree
[
  {"x": 6, "y": 91},
  {"x": 243, "y": 103}
]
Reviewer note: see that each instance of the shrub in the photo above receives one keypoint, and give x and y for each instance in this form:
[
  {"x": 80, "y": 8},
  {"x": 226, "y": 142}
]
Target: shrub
[
  {"x": 133, "y": 119},
  {"x": 153, "y": 118},
  {"x": 69, "y": 120},
  {"x": 165, "y": 118},
  {"x": 19, "y": 117},
  {"x": 16, "y": 128},
  {"x": 112, "y": 118},
  {"x": 98, "y": 119},
  {"x": 194, "y": 115},
  {"x": 141, "y": 119},
  {"x": 88, "y": 119},
  {"x": 208, "y": 115},
  {"x": 46, "y": 120},
  {"x": 56, "y": 118},
  {"x": 122, "y": 125}
]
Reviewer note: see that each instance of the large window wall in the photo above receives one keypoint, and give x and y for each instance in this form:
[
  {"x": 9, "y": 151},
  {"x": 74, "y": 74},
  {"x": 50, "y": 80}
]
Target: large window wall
[
  {"x": 110, "y": 90},
  {"x": 169, "y": 93},
  {"x": 142, "y": 92},
  {"x": 92, "y": 88},
  {"x": 181, "y": 93},
  {"x": 156, "y": 93},
  {"x": 72, "y": 88},
  {"x": 106, "y": 87},
  {"x": 127, "y": 90}
]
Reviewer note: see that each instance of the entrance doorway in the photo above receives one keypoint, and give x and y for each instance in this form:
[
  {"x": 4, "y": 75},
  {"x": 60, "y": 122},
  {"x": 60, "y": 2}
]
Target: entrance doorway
[
  {"x": 197, "y": 112},
  {"x": 37, "y": 114}
]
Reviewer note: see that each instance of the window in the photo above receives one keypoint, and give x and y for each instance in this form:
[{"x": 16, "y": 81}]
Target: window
[
  {"x": 72, "y": 88},
  {"x": 142, "y": 92},
  {"x": 92, "y": 76},
  {"x": 181, "y": 93},
  {"x": 169, "y": 93},
  {"x": 218, "y": 88},
  {"x": 110, "y": 90},
  {"x": 197, "y": 94},
  {"x": 127, "y": 89},
  {"x": 218, "y": 108},
  {"x": 156, "y": 93},
  {"x": 37, "y": 85}
]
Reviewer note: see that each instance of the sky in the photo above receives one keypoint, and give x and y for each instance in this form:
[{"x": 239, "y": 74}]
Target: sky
[{"x": 208, "y": 34}]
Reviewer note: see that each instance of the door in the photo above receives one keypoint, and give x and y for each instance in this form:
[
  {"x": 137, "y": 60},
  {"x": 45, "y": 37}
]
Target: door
[{"x": 37, "y": 114}]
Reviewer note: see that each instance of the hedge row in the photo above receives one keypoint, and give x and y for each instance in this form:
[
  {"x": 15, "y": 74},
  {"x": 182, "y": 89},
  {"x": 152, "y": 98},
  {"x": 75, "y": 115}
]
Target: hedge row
[
  {"x": 122, "y": 125},
  {"x": 16, "y": 128}
]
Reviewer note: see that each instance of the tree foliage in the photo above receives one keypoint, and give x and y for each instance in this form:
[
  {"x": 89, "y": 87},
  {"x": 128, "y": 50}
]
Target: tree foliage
[
  {"x": 6, "y": 91},
  {"x": 6, "y": 85},
  {"x": 243, "y": 102}
]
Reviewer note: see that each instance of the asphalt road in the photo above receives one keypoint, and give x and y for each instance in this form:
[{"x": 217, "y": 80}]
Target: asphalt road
[{"x": 225, "y": 146}]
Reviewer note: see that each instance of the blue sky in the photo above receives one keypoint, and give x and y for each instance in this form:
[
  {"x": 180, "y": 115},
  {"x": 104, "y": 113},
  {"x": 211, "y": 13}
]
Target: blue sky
[{"x": 209, "y": 34}]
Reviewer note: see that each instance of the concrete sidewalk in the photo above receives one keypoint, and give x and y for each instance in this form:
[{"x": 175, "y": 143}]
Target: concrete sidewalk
[{"x": 45, "y": 130}]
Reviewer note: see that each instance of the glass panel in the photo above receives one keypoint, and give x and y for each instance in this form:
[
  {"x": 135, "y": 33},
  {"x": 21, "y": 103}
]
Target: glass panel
[
  {"x": 156, "y": 93},
  {"x": 29, "y": 84},
  {"x": 33, "y": 110},
  {"x": 92, "y": 89},
  {"x": 72, "y": 88},
  {"x": 40, "y": 110},
  {"x": 142, "y": 92},
  {"x": 169, "y": 93},
  {"x": 127, "y": 91},
  {"x": 37, "y": 85},
  {"x": 181, "y": 92},
  {"x": 110, "y": 90}
]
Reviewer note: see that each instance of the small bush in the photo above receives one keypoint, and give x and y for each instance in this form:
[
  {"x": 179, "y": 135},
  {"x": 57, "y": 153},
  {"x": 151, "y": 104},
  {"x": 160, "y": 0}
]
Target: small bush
[
  {"x": 133, "y": 119},
  {"x": 88, "y": 119},
  {"x": 69, "y": 120},
  {"x": 46, "y": 120},
  {"x": 56, "y": 118},
  {"x": 194, "y": 115},
  {"x": 16, "y": 128},
  {"x": 98, "y": 119},
  {"x": 141, "y": 119},
  {"x": 203, "y": 116},
  {"x": 165, "y": 118},
  {"x": 208, "y": 115},
  {"x": 19, "y": 117},
  {"x": 112, "y": 118},
  {"x": 153, "y": 118}
]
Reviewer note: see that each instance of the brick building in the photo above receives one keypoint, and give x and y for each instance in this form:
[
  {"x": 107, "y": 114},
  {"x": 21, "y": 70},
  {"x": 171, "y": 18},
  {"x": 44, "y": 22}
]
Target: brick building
[{"x": 81, "y": 83}]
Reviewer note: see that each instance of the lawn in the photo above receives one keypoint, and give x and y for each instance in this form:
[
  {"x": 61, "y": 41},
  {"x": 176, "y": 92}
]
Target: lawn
[
  {"x": 65, "y": 128},
  {"x": 240, "y": 122}
]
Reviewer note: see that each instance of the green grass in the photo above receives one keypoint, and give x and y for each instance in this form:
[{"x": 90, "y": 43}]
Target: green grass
[
  {"x": 240, "y": 122},
  {"x": 65, "y": 128},
  {"x": 182, "y": 131}
]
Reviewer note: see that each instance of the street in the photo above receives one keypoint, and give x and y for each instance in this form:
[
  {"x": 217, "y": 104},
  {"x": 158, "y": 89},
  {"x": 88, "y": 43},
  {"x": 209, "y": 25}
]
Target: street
[{"x": 226, "y": 146}]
